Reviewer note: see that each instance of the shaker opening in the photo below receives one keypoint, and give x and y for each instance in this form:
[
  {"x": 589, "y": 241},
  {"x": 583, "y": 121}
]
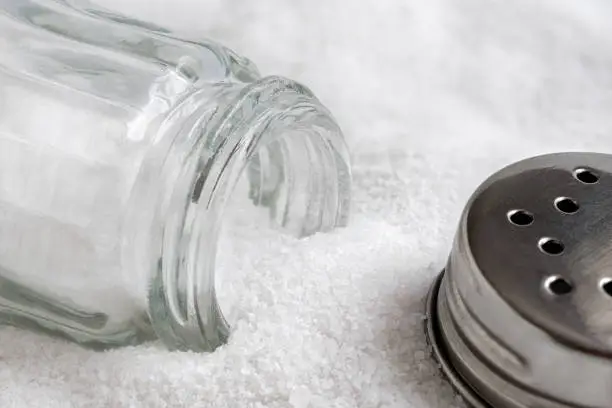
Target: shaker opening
[
  {"x": 287, "y": 191},
  {"x": 273, "y": 167}
]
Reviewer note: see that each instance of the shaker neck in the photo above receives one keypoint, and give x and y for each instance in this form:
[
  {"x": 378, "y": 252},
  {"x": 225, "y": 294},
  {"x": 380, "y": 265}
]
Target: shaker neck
[{"x": 275, "y": 133}]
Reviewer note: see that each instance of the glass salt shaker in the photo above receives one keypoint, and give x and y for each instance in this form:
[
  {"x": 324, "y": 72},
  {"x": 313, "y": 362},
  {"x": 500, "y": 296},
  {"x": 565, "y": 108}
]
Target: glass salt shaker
[{"x": 125, "y": 151}]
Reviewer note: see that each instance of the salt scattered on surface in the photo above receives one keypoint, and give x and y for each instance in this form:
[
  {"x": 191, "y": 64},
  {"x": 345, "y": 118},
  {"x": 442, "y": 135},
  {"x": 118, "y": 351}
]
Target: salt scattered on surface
[{"x": 433, "y": 96}]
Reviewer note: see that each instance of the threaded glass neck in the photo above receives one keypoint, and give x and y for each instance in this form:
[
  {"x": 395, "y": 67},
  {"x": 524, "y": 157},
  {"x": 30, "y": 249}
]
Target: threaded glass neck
[{"x": 272, "y": 155}]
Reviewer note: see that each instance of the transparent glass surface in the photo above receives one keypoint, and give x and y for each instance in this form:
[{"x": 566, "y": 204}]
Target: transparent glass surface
[{"x": 139, "y": 170}]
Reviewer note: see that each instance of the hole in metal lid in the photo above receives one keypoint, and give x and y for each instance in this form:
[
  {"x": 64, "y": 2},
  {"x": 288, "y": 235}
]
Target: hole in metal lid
[
  {"x": 606, "y": 286},
  {"x": 558, "y": 285},
  {"x": 586, "y": 176},
  {"x": 520, "y": 217},
  {"x": 566, "y": 205},
  {"x": 551, "y": 246}
]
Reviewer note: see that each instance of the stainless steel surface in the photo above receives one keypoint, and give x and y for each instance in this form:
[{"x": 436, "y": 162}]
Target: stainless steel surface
[
  {"x": 440, "y": 351},
  {"x": 524, "y": 311}
]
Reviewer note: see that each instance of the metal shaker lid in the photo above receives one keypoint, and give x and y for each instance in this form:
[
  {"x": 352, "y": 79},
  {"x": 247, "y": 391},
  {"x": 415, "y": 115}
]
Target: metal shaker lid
[{"x": 522, "y": 315}]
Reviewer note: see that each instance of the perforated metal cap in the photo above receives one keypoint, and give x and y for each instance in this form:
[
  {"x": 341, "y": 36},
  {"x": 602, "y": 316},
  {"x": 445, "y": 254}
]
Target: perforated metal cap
[{"x": 522, "y": 315}]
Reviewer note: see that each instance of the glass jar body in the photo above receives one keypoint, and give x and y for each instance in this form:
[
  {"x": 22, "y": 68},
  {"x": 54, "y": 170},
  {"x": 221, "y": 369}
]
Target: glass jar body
[{"x": 120, "y": 147}]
